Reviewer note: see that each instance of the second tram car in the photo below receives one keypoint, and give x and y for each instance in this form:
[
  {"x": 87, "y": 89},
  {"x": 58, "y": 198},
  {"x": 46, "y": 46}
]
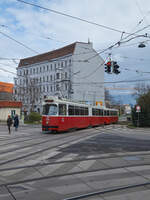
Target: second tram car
[{"x": 62, "y": 115}]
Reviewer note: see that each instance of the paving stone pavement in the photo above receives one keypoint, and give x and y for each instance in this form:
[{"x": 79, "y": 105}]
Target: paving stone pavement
[{"x": 65, "y": 174}]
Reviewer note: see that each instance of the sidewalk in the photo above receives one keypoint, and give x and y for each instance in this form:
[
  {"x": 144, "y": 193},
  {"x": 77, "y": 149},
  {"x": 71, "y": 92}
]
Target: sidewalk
[{"x": 21, "y": 124}]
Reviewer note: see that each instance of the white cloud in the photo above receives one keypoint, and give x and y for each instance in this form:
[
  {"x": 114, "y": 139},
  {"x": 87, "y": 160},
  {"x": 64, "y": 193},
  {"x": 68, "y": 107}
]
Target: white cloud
[{"x": 28, "y": 25}]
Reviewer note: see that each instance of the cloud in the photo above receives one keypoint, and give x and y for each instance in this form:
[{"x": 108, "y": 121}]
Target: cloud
[{"x": 31, "y": 26}]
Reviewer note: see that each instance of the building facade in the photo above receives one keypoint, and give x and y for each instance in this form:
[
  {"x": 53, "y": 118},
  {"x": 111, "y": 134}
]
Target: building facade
[
  {"x": 9, "y": 108},
  {"x": 70, "y": 72}
]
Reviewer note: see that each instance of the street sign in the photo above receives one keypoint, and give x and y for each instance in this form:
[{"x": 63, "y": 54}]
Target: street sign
[{"x": 138, "y": 108}]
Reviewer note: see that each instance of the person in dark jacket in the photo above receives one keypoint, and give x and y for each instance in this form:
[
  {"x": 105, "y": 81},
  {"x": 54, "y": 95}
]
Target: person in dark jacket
[
  {"x": 16, "y": 122},
  {"x": 9, "y": 123}
]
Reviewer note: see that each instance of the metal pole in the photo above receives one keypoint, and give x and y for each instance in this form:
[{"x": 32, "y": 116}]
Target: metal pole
[{"x": 138, "y": 124}]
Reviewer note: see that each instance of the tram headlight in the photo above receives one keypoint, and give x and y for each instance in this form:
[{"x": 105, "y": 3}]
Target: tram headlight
[{"x": 46, "y": 122}]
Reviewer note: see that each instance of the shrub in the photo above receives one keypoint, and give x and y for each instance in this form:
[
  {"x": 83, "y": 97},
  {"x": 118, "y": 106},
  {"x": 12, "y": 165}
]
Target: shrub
[{"x": 34, "y": 117}]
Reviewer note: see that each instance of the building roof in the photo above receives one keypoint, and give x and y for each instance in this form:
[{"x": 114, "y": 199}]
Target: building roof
[
  {"x": 10, "y": 104},
  {"x": 6, "y": 87},
  {"x": 69, "y": 49}
]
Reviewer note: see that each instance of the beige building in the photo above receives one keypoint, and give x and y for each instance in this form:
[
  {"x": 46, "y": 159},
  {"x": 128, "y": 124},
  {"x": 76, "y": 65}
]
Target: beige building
[{"x": 9, "y": 108}]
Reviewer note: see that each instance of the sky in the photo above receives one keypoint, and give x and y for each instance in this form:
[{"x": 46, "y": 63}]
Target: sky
[{"x": 42, "y": 31}]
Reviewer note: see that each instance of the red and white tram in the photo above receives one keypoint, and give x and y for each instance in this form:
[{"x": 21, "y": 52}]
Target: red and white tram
[{"x": 61, "y": 115}]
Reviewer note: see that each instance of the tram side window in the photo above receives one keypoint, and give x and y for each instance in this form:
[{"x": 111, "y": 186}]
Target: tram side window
[
  {"x": 86, "y": 111},
  {"x": 77, "y": 110},
  {"x": 97, "y": 112},
  {"x": 107, "y": 112},
  {"x": 115, "y": 113},
  {"x": 62, "y": 109},
  {"x": 71, "y": 110},
  {"x": 82, "y": 110},
  {"x": 93, "y": 111},
  {"x": 101, "y": 112}
]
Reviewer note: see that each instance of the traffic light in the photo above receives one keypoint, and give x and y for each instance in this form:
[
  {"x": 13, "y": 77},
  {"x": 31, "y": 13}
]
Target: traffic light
[
  {"x": 115, "y": 67},
  {"x": 108, "y": 67}
]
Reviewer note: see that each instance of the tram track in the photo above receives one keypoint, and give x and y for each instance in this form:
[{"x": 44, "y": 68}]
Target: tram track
[
  {"x": 67, "y": 174},
  {"x": 51, "y": 139},
  {"x": 107, "y": 191},
  {"x": 73, "y": 161},
  {"x": 19, "y": 141},
  {"x": 55, "y": 146},
  {"x": 47, "y": 148},
  {"x": 20, "y": 135}
]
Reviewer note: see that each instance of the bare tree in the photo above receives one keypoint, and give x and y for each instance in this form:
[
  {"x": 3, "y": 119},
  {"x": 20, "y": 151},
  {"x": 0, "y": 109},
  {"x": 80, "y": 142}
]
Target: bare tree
[
  {"x": 141, "y": 89},
  {"x": 28, "y": 93}
]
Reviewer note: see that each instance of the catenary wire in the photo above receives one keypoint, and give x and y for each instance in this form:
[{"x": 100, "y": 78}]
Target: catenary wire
[
  {"x": 71, "y": 16},
  {"x": 4, "y": 34}
]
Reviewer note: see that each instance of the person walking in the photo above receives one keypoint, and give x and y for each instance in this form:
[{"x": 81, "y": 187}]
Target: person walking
[
  {"x": 16, "y": 122},
  {"x": 9, "y": 123}
]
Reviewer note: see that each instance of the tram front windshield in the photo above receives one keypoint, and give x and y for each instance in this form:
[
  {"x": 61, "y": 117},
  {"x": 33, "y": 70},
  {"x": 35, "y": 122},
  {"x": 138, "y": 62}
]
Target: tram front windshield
[{"x": 50, "y": 109}]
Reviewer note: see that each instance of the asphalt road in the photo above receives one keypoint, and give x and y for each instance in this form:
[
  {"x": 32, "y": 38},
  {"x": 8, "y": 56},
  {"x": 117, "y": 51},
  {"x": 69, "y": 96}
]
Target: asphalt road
[{"x": 64, "y": 166}]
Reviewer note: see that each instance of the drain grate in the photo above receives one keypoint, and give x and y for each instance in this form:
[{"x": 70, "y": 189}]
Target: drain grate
[{"x": 132, "y": 158}]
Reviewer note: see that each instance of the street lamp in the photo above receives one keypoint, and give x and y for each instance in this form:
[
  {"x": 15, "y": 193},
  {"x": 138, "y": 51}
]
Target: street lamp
[{"x": 141, "y": 45}]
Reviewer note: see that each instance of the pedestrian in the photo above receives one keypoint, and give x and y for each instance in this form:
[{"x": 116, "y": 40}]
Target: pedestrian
[
  {"x": 9, "y": 123},
  {"x": 16, "y": 122}
]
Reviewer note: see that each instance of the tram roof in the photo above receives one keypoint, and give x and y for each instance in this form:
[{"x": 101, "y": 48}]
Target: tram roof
[{"x": 55, "y": 99}]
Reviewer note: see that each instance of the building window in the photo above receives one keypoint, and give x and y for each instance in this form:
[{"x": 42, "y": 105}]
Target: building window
[
  {"x": 51, "y": 67},
  {"x": 40, "y": 69},
  {"x": 66, "y": 74},
  {"x": 55, "y": 66},
  {"x": 51, "y": 78},
  {"x": 66, "y": 86},
  {"x": 34, "y": 71},
  {"x": 37, "y": 70},
  {"x": 57, "y": 75},
  {"x": 43, "y": 68},
  {"x": 47, "y": 68},
  {"x": 43, "y": 79},
  {"x": 47, "y": 88},
  {"x": 47, "y": 78},
  {"x": 65, "y": 63},
  {"x": 57, "y": 87},
  {"x": 43, "y": 88},
  {"x": 61, "y": 64},
  {"x": 69, "y": 61},
  {"x": 51, "y": 88}
]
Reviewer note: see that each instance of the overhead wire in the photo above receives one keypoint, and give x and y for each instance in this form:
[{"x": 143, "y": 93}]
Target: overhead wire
[
  {"x": 71, "y": 16},
  {"x": 141, "y": 12},
  {"x": 120, "y": 42},
  {"x": 112, "y": 82},
  {"x": 95, "y": 70},
  {"x": 6, "y": 35}
]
